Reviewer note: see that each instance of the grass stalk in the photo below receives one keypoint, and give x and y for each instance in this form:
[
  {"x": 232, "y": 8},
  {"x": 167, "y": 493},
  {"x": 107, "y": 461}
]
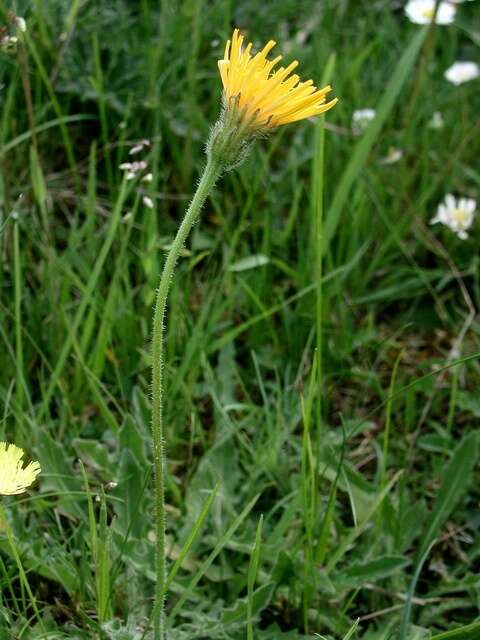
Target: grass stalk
[
  {"x": 318, "y": 208},
  {"x": 252, "y": 574},
  {"x": 18, "y": 322}
]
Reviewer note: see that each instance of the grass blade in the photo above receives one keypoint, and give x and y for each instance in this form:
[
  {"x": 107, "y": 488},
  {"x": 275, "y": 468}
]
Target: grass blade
[
  {"x": 456, "y": 479},
  {"x": 360, "y": 154},
  {"x": 411, "y": 591},
  {"x": 470, "y": 632},
  {"x": 252, "y": 574},
  {"x": 208, "y": 562},
  {"x": 96, "y": 271},
  {"x": 356, "y": 531}
]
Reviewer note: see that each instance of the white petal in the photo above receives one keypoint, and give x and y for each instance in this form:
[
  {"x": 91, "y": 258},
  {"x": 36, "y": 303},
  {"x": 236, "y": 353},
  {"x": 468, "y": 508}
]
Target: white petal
[
  {"x": 442, "y": 213},
  {"x": 470, "y": 205},
  {"x": 450, "y": 201}
]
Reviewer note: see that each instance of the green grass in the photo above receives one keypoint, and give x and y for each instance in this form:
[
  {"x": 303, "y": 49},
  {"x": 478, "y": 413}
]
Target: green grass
[{"x": 321, "y": 415}]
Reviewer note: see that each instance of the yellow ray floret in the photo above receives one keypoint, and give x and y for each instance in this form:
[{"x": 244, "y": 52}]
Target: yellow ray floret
[
  {"x": 271, "y": 98},
  {"x": 14, "y": 478}
]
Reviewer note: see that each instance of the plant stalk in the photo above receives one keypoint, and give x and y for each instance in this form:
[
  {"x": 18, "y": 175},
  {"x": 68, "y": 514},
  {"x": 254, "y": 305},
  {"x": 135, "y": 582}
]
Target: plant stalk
[{"x": 210, "y": 175}]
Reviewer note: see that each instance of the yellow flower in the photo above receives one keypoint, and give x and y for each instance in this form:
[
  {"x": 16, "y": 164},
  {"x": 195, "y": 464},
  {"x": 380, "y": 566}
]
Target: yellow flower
[
  {"x": 14, "y": 478},
  {"x": 266, "y": 97}
]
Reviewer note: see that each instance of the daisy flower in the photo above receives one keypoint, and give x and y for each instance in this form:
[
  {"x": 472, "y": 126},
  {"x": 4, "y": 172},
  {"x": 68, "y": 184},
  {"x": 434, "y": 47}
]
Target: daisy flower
[
  {"x": 361, "y": 118},
  {"x": 422, "y": 12},
  {"x": 455, "y": 214},
  {"x": 461, "y": 72},
  {"x": 14, "y": 478}
]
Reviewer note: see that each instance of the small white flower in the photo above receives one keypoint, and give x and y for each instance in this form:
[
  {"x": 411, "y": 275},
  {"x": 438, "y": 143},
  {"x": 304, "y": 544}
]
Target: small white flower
[
  {"x": 361, "y": 118},
  {"x": 8, "y": 42},
  {"x": 133, "y": 168},
  {"x": 437, "y": 121},
  {"x": 147, "y": 177},
  {"x": 393, "y": 156},
  {"x": 461, "y": 72},
  {"x": 148, "y": 202},
  {"x": 139, "y": 166},
  {"x": 455, "y": 214},
  {"x": 139, "y": 147},
  {"x": 422, "y": 12},
  {"x": 21, "y": 24}
]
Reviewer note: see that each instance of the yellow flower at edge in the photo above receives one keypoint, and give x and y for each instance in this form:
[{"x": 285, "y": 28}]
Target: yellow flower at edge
[
  {"x": 15, "y": 479},
  {"x": 266, "y": 97}
]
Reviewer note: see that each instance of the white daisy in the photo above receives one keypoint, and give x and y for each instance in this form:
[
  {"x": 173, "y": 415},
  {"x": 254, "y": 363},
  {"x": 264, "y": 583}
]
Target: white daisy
[
  {"x": 461, "y": 72},
  {"x": 361, "y": 118},
  {"x": 422, "y": 12},
  {"x": 455, "y": 214}
]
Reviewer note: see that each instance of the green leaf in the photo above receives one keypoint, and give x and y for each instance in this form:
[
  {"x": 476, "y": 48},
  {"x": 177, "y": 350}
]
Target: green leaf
[
  {"x": 359, "y": 573},
  {"x": 274, "y": 633},
  {"x": 456, "y": 478},
  {"x": 353, "y": 534},
  {"x": 60, "y": 478},
  {"x": 470, "y": 632},
  {"x": 261, "y": 598},
  {"x": 92, "y": 452}
]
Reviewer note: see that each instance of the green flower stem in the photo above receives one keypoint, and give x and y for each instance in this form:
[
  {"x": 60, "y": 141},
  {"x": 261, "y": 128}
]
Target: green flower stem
[{"x": 210, "y": 175}]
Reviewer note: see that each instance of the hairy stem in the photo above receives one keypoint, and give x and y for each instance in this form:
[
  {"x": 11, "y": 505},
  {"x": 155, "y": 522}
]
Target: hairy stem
[{"x": 210, "y": 175}]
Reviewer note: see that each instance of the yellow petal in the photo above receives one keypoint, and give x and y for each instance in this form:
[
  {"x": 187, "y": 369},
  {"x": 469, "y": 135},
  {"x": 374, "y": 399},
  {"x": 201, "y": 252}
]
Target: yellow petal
[
  {"x": 15, "y": 479},
  {"x": 269, "y": 97}
]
